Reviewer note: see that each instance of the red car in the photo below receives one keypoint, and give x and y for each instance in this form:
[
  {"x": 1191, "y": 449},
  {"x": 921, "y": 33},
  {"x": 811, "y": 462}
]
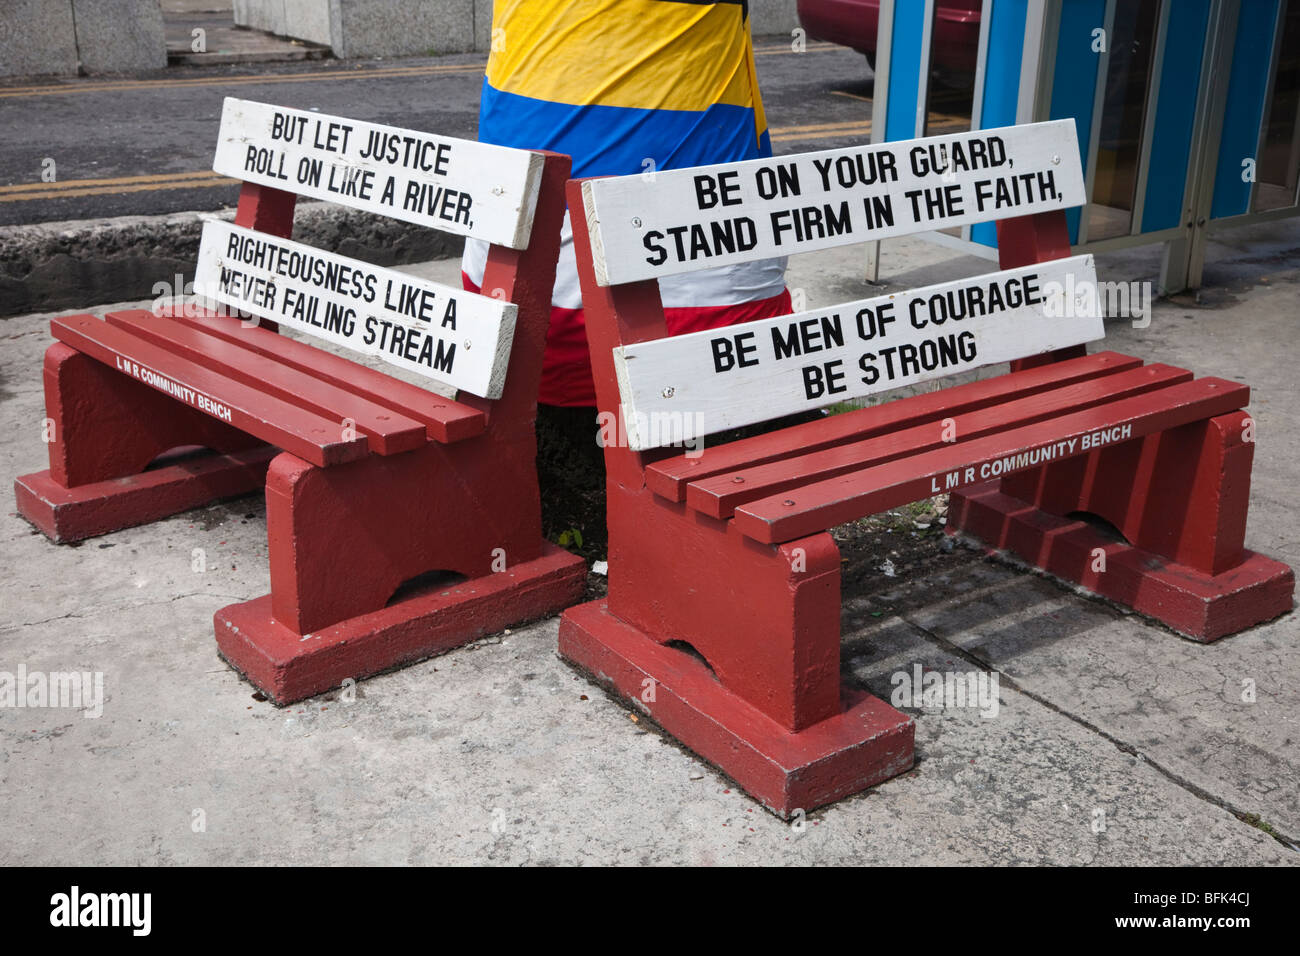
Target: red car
[{"x": 853, "y": 23}]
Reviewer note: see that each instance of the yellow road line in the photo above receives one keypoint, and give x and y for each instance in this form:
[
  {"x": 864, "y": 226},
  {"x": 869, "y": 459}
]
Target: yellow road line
[
  {"x": 120, "y": 180},
  {"x": 322, "y": 76},
  {"x": 28, "y": 192},
  {"x": 317, "y": 76},
  {"x": 818, "y": 127},
  {"x": 195, "y": 183},
  {"x": 827, "y": 131},
  {"x": 785, "y": 48}
]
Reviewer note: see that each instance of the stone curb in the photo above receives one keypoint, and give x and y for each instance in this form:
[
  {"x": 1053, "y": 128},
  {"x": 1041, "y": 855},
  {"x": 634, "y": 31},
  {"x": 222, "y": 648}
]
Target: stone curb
[{"x": 78, "y": 264}]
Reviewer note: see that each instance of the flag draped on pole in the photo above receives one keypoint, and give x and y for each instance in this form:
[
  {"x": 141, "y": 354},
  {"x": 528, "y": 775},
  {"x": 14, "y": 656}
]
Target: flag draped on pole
[{"x": 624, "y": 87}]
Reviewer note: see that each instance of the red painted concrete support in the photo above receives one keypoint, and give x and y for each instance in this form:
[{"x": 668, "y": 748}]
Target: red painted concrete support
[
  {"x": 289, "y": 665},
  {"x": 768, "y": 707},
  {"x": 1179, "y": 499},
  {"x": 106, "y": 429},
  {"x": 1200, "y": 606}
]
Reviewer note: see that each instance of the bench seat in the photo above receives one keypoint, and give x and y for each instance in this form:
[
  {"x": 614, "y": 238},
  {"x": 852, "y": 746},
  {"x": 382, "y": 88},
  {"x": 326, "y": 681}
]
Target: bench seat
[
  {"x": 777, "y": 489},
  {"x": 446, "y": 420},
  {"x": 295, "y": 406}
]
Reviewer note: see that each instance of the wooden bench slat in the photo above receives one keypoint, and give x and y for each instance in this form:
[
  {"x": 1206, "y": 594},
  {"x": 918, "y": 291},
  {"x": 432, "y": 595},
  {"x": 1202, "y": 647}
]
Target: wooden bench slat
[
  {"x": 447, "y": 419},
  {"x": 303, "y": 433},
  {"x": 720, "y": 495},
  {"x": 669, "y": 478},
  {"x": 825, "y": 504},
  {"x": 389, "y": 432}
]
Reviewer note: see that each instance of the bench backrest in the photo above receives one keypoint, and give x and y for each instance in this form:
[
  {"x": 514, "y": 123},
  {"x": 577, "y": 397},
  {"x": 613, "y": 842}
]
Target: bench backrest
[
  {"x": 637, "y": 229},
  {"x": 458, "y": 186}
]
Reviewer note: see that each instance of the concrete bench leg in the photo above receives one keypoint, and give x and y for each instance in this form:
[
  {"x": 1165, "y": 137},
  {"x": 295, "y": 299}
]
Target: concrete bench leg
[
  {"x": 106, "y": 430},
  {"x": 1179, "y": 499},
  {"x": 765, "y": 704},
  {"x": 342, "y": 541}
]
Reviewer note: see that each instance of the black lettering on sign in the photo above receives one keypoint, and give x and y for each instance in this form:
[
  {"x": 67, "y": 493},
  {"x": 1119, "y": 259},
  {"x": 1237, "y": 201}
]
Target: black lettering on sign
[
  {"x": 704, "y": 240},
  {"x": 351, "y": 181},
  {"x": 870, "y": 324},
  {"x": 1013, "y": 191},
  {"x": 265, "y": 162},
  {"x": 413, "y": 345},
  {"x": 310, "y": 171},
  {"x": 437, "y": 201},
  {"x": 953, "y": 350},
  {"x": 339, "y": 320},
  {"x": 411, "y": 300},
  {"x": 711, "y": 191},
  {"x": 973, "y": 301},
  {"x": 820, "y": 380},
  {"x": 940, "y": 202},
  {"x": 809, "y": 335},
  {"x": 733, "y": 352},
  {"x": 939, "y": 158},
  {"x": 812, "y": 222},
  {"x": 331, "y": 137},
  {"x": 408, "y": 151},
  {"x": 863, "y": 169},
  {"x": 658, "y": 254},
  {"x": 288, "y": 128},
  {"x": 783, "y": 180}
]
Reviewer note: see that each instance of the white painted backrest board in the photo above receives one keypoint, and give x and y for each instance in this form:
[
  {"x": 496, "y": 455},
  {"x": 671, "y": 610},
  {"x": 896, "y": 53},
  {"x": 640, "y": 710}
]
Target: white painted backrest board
[
  {"x": 684, "y": 387},
  {"x": 459, "y": 186},
  {"x": 669, "y": 222},
  {"x": 451, "y": 336}
]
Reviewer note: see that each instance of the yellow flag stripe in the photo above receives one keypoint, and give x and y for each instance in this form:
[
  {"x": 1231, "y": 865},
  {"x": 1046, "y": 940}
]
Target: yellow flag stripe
[{"x": 638, "y": 54}]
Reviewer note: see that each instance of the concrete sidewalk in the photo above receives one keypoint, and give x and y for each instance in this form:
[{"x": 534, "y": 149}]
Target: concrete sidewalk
[{"x": 1115, "y": 741}]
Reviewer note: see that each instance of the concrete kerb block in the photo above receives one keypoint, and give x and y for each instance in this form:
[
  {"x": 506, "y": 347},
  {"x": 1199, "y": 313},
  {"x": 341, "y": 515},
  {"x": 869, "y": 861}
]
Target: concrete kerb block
[
  {"x": 366, "y": 28},
  {"x": 50, "y": 266},
  {"x": 378, "y": 28},
  {"x": 772, "y": 17},
  {"x": 483, "y": 25},
  {"x": 120, "y": 36},
  {"x": 37, "y": 37},
  {"x": 266, "y": 15}
]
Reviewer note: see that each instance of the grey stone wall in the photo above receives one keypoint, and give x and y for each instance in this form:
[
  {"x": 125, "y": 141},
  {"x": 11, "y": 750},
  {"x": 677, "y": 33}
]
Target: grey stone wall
[
  {"x": 37, "y": 37},
  {"x": 119, "y": 36},
  {"x": 366, "y": 28},
  {"x": 98, "y": 36},
  {"x": 772, "y": 17}
]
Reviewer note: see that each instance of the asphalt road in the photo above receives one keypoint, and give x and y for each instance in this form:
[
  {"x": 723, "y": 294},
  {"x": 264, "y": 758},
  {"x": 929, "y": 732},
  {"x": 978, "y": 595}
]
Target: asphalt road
[{"x": 143, "y": 145}]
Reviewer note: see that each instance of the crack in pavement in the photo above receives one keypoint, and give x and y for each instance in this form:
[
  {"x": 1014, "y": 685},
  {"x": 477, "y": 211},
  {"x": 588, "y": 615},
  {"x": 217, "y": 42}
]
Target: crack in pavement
[
  {"x": 1250, "y": 819},
  {"x": 75, "y": 615}
]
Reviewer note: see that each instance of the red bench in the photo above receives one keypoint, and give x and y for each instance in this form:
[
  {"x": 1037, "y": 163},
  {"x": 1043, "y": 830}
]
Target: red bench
[
  {"x": 723, "y": 614},
  {"x": 371, "y": 483}
]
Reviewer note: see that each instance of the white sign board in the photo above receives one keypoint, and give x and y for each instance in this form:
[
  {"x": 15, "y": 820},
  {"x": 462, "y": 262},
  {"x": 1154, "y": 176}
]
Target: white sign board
[
  {"x": 664, "y": 223},
  {"x": 456, "y": 185},
  {"x": 686, "y": 386},
  {"x": 455, "y": 337}
]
